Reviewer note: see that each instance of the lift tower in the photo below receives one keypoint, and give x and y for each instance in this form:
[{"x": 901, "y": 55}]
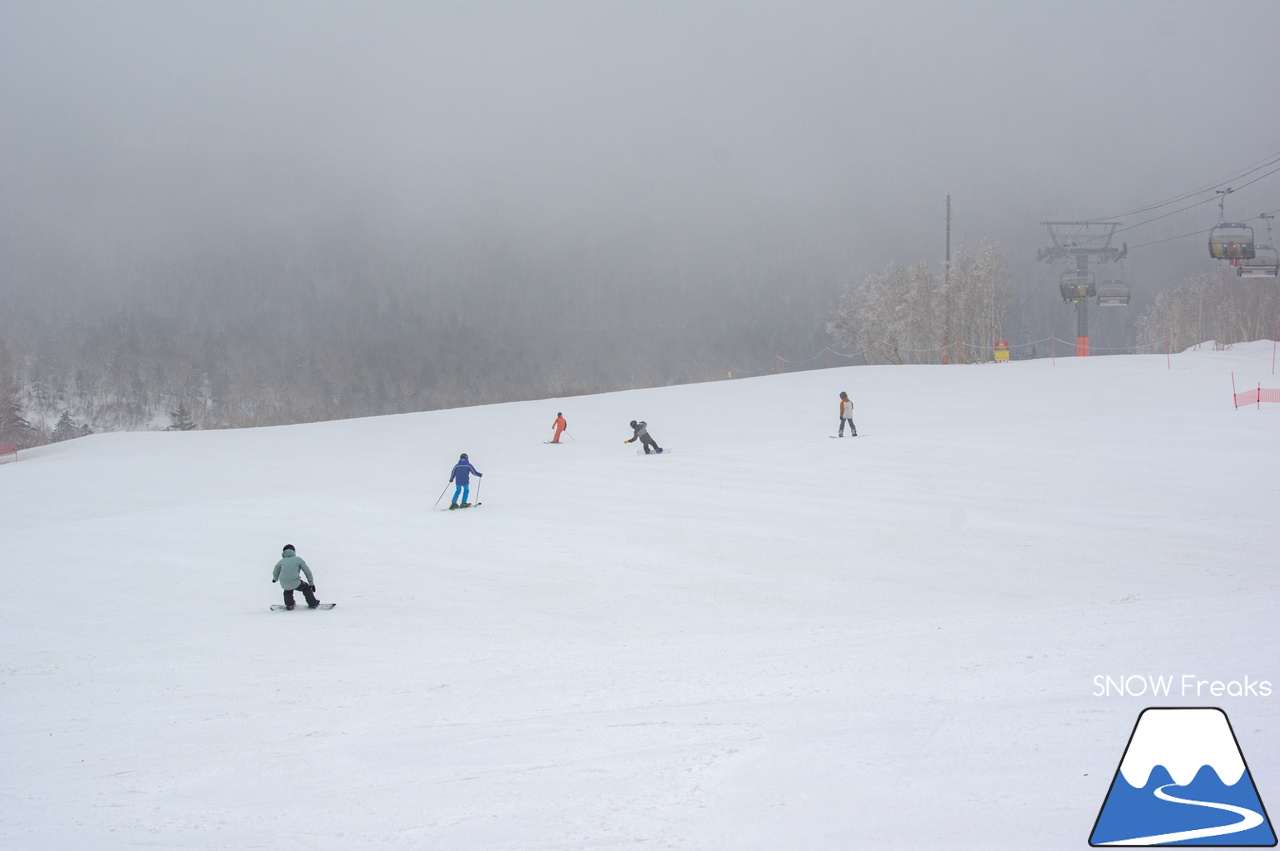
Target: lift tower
[{"x": 1081, "y": 242}]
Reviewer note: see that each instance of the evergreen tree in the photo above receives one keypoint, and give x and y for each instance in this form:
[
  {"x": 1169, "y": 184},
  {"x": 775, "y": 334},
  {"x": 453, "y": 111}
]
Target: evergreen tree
[
  {"x": 66, "y": 429},
  {"x": 181, "y": 419},
  {"x": 14, "y": 427}
]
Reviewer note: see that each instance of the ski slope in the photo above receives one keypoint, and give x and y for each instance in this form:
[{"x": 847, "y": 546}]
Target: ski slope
[{"x": 765, "y": 639}]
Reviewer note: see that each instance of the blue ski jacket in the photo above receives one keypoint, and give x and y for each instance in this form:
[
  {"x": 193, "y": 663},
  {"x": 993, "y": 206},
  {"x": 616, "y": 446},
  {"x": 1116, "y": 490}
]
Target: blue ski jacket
[
  {"x": 462, "y": 472},
  {"x": 286, "y": 571}
]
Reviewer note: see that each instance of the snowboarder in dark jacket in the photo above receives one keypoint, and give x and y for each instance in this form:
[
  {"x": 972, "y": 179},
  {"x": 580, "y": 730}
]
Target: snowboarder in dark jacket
[
  {"x": 641, "y": 433},
  {"x": 286, "y": 573},
  {"x": 462, "y": 475}
]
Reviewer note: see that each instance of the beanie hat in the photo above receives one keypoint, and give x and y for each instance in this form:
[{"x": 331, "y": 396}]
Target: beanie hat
[
  {"x": 844, "y": 395},
  {"x": 633, "y": 423}
]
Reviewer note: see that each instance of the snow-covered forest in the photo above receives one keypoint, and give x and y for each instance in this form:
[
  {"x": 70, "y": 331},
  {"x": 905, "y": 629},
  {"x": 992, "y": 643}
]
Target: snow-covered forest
[{"x": 315, "y": 353}]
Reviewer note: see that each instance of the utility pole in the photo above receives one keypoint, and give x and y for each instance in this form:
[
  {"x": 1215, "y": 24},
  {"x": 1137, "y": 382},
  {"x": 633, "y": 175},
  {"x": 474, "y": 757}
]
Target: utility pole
[
  {"x": 1081, "y": 241},
  {"x": 946, "y": 269}
]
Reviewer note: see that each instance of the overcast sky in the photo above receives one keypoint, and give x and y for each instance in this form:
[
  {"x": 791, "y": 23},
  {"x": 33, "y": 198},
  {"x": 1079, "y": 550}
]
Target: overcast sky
[{"x": 832, "y": 131}]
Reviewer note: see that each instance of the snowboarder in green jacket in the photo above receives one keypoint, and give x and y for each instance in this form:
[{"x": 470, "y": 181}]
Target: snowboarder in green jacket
[{"x": 286, "y": 573}]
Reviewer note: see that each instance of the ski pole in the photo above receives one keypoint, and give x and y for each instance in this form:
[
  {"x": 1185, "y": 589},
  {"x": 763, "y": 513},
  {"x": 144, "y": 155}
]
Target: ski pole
[
  {"x": 441, "y": 496},
  {"x": 478, "y": 483}
]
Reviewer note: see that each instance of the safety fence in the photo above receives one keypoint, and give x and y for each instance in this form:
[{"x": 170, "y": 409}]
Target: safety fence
[{"x": 1254, "y": 396}]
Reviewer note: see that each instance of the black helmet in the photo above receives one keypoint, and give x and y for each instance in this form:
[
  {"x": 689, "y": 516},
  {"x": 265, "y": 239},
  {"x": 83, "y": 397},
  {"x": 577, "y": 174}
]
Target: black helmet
[
  {"x": 633, "y": 423},
  {"x": 462, "y": 457},
  {"x": 288, "y": 547}
]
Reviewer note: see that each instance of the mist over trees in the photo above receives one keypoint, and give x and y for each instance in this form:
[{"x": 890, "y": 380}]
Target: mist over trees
[
  {"x": 1213, "y": 306},
  {"x": 354, "y": 322},
  {"x": 913, "y": 315},
  {"x": 267, "y": 213},
  {"x": 272, "y": 331}
]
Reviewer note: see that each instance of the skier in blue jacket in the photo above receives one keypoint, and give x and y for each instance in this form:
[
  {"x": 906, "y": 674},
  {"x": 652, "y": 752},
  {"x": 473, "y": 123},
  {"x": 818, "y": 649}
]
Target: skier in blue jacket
[
  {"x": 462, "y": 475},
  {"x": 286, "y": 572}
]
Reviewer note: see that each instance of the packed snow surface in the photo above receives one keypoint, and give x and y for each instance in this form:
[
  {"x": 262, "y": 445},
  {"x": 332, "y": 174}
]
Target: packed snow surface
[{"x": 764, "y": 639}]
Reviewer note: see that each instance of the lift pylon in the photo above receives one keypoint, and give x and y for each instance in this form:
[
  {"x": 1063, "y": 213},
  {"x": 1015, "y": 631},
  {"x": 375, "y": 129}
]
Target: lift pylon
[{"x": 1078, "y": 243}]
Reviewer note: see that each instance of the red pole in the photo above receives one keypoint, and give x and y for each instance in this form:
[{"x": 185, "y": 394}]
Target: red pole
[{"x": 1233, "y": 391}]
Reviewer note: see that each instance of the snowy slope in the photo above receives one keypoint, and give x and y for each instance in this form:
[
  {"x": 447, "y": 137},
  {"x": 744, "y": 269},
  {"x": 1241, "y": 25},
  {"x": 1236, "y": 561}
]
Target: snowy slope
[{"x": 765, "y": 639}]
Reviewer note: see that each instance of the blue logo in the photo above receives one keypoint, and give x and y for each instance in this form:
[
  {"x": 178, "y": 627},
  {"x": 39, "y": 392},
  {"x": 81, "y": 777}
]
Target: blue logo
[{"x": 1183, "y": 781}]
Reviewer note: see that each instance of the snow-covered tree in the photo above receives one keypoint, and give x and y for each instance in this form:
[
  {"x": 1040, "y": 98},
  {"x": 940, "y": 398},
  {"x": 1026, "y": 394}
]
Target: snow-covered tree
[
  {"x": 909, "y": 315},
  {"x": 1214, "y": 306}
]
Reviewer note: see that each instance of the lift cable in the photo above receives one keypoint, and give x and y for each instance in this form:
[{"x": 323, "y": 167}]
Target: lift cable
[
  {"x": 1182, "y": 210},
  {"x": 1269, "y": 160},
  {"x": 1196, "y": 233}
]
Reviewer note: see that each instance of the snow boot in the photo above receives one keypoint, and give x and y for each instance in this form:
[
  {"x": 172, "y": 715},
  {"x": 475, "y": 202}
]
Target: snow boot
[{"x": 453, "y": 506}]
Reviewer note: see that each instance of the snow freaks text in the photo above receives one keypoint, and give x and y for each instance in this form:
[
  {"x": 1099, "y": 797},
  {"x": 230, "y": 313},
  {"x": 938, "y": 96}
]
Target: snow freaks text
[{"x": 1186, "y": 685}]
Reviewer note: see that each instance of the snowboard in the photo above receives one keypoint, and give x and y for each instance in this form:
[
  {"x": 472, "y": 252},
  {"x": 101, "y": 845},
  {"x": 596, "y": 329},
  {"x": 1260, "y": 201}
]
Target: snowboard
[
  {"x": 278, "y": 607},
  {"x": 837, "y": 437},
  {"x": 664, "y": 451}
]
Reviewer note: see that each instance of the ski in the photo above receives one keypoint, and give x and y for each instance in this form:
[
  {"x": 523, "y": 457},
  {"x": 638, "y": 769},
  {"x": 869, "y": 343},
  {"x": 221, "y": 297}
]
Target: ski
[
  {"x": 838, "y": 436},
  {"x": 460, "y": 507},
  {"x": 280, "y": 608}
]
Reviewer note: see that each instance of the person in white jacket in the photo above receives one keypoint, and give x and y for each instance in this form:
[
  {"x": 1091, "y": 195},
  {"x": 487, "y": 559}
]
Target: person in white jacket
[{"x": 846, "y": 415}]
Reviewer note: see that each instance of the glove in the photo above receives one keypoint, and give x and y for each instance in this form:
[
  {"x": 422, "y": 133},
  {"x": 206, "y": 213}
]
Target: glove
[{"x": 273, "y": 582}]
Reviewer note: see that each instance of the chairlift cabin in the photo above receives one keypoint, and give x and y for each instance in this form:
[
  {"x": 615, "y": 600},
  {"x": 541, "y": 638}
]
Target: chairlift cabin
[
  {"x": 1075, "y": 285},
  {"x": 1232, "y": 242},
  {"x": 1113, "y": 294},
  {"x": 1263, "y": 264}
]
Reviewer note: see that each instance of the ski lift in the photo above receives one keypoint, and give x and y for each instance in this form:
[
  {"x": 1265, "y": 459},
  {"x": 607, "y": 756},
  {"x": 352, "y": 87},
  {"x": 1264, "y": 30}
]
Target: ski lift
[
  {"x": 1263, "y": 264},
  {"x": 1075, "y": 285},
  {"x": 1113, "y": 294},
  {"x": 1231, "y": 241}
]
